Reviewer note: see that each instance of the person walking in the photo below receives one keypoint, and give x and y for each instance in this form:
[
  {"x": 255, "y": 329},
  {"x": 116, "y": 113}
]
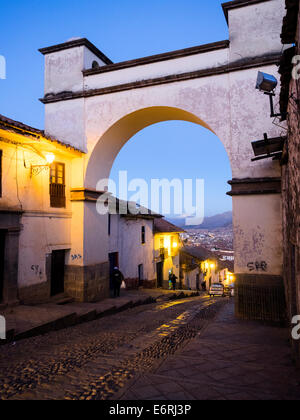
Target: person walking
[
  {"x": 174, "y": 280},
  {"x": 117, "y": 278},
  {"x": 170, "y": 279}
]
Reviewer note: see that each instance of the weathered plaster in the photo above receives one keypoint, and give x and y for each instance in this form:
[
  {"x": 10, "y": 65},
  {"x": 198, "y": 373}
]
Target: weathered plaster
[
  {"x": 228, "y": 104},
  {"x": 255, "y": 30}
]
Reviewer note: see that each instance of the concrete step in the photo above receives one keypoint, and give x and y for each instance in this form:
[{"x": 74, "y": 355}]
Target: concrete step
[
  {"x": 61, "y": 299},
  {"x": 54, "y": 325}
]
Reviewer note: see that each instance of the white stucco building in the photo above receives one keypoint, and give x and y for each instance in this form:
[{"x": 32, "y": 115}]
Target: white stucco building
[
  {"x": 145, "y": 248},
  {"x": 35, "y": 213},
  {"x": 131, "y": 248},
  {"x": 167, "y": 246}
]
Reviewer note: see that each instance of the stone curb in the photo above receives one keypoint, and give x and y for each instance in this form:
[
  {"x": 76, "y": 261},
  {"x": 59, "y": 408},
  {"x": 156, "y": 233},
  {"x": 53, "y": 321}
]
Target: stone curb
[{"x": 72, "y": 319}]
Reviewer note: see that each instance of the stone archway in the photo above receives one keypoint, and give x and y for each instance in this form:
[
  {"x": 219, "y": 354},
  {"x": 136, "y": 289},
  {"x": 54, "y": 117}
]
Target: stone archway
[{"x": 97, "y": 109}]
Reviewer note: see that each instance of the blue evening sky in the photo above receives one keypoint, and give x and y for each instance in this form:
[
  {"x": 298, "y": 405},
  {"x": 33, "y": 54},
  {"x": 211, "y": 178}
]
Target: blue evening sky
[{"x": 123, "y": 30}]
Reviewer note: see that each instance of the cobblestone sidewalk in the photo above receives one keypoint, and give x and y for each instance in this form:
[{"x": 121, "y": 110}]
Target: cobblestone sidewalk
[{"x": 229, "y": 360}]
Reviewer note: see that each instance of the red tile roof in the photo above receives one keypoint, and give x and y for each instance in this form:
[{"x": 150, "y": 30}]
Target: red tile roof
[
  {"x": 163, "y": 226},
  {"x": 199, "y": 252}
]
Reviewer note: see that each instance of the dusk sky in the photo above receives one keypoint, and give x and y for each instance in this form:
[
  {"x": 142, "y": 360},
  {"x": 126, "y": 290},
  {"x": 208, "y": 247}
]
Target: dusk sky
[{"x": 123, "y": 30}]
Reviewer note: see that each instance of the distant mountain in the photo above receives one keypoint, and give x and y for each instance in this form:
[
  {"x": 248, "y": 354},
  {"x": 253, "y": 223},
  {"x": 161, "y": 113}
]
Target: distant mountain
[{"x": 214, "y": 222}]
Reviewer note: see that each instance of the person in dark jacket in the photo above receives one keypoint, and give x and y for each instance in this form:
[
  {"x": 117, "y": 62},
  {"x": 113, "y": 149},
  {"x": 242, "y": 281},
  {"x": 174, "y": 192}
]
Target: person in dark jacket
[
  {"x": 170, "y": 280},
  {"x": 174, "y": 280},
  {"x": 117, "y": 278}
]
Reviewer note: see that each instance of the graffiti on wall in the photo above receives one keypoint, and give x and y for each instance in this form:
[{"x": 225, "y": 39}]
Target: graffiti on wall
[
  {"x": 37, "y": 270},
  {"x": 257, "y": 266},
  {"x": 76, "y": 257}
]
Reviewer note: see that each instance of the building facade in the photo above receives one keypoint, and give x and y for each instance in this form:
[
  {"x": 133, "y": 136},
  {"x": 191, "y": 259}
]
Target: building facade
[
  {"x": 131, "y": 248},
  {"x": 35, "y": 213},
  {"x": 167, "y": 244},
  {"x": 290, "y": 110},
  {"x": 98, "y": 106},
  {"x": 199, "y": 265}
]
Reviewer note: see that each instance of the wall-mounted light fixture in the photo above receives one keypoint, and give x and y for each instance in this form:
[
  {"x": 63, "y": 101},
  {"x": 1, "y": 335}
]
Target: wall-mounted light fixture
[
  {"x": 50, "y": 158},
  {"x": 37, "y": 169},
  {"x": 267, "y": 84},
  {"x": 268, "y": 148}
]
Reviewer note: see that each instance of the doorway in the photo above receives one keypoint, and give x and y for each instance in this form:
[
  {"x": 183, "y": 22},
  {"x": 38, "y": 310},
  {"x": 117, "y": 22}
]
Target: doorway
[
  {"x": 113, "y": 262},
  {"x": 160, "y": 277},
  {"x": 141, "y": 275},
  {"x": 58, "y": 272},
  {"x": 2, "y": 257},
  {"x": 198, "y": 282}
]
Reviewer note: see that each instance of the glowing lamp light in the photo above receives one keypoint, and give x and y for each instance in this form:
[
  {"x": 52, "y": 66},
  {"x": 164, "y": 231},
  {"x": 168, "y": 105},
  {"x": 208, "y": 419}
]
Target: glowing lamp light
[
  {"x": 37, "y": 169},
  {"x": 50, "y": 157},
  {"x": 212, "y": 266},
  {"x": 175, "y": 245}
]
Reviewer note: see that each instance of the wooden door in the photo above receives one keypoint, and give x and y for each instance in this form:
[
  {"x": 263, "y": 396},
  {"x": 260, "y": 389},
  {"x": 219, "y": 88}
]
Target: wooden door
[
  {"x": 58, "y": 272},
  {"x": 159, "y": 270}
]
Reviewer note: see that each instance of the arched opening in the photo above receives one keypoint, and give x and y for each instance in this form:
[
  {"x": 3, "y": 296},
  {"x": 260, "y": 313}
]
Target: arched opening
[
  {"x": 177, "y": 150},
  {"x": 103, "y": 157},
  {"x": 110, "y": 144}
]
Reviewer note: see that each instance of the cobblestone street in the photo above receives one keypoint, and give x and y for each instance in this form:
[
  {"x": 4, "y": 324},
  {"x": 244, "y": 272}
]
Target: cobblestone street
[
  {"x": 97, "y": 359},
  {"x": 229, "y": 360}
]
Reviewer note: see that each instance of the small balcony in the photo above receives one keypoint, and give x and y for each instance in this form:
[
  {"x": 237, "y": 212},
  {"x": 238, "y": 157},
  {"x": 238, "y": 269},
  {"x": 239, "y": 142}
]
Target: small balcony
[{"x": 57, "y": 195}]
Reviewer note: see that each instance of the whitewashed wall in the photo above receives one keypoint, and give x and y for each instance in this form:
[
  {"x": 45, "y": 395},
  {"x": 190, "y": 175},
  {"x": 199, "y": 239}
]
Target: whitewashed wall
[
  {"x": 228, "y": 104},
  {"x": 43, "y": 228},
  {"x": 125, "y": 238}
]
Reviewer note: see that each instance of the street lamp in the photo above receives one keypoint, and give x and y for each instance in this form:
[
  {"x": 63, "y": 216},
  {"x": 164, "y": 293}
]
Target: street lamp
[
  {"x": 267, "y": 84},
  {"x": 50, "y": 158},
  {"x": 37, "y": 169}
]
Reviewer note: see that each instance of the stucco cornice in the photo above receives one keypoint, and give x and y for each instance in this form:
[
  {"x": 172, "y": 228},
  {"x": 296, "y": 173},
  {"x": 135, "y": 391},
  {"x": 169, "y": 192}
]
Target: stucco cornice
[
  {"x": 76, "y": 43},
  {"x": 159, "y": 57},
  {"x": 255, "y": 186},
  {"x": 215, "y": 71},
  {"x": 230, "y": 5},
  {"x": 84, "y": 194}
]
